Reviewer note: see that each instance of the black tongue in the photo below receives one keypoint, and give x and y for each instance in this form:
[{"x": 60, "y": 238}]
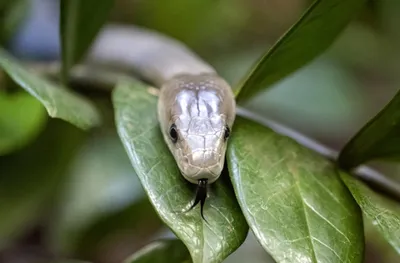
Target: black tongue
[{"x": 201, "y": 195}]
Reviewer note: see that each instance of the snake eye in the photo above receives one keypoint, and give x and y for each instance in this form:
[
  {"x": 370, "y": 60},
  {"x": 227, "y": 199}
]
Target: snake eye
[
  {"x": 227, "y": 133},
  {"x": 173, "y": 133}
]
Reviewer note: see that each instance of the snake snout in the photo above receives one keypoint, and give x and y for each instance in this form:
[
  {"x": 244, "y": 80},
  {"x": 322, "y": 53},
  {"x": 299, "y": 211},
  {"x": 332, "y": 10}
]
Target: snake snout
[
  {"x": 203, "y": 164},
  {"x": 203, "y": 158}
]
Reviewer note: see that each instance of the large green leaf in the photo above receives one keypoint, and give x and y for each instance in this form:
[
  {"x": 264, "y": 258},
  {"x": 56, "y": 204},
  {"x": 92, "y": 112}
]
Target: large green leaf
[
  {"x": 21, "y": 119},
  {"x": 169, "y": 192},
  {"x": 162, "y": 251},
  {"x": 313, "y": 33},
  {"x": 58, "y": 101},
  {"x": 384, "y": 213},
  {"x": 292, "y": 198},
  {"x": 30, "y": 179},
  {"x": 80, "y": 21},
  {"x": 378, "y": 139}
]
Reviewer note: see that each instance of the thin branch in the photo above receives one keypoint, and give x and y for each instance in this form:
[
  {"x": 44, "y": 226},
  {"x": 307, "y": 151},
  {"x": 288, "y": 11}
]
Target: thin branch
[
  {"x": 373, "y": 178},
  {"x": 103, "y": 79}
]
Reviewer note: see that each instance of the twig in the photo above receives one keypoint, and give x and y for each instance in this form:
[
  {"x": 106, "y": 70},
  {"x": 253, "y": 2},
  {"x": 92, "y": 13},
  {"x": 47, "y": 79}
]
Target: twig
[
  {"x": 373, "y": 178},
  {"x": 90, "y": 76}
]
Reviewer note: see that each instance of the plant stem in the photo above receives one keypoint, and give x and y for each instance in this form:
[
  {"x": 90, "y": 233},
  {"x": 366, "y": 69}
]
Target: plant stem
[{"x": 103, "y": 79}]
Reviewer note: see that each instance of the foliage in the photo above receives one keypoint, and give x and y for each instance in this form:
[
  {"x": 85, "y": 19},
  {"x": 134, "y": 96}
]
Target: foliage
[
  {"x": 58, "y": 101},
  {"x": 299, "y": 205},
  {"x": 384, "y": 213},
  {"x": 170, "y": 194},
  {"x": 22, "y": 118},
  {"x": 324, "y": 20},
  {"x": 78, "y": 32},
  {"x": 26, "y": 189},
  {"x": 379, "y": 139},
  {"x": 11, "y": 15},
  {"x": 292, "y": 198}
]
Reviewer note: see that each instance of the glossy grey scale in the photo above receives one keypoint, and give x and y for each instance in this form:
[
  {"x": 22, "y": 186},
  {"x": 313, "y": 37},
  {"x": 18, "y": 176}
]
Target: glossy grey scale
[{"x": 201, "y": 107}]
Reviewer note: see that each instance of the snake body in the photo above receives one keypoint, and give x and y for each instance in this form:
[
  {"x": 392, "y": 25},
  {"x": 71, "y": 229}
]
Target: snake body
[{"x": 196, "y": 107}]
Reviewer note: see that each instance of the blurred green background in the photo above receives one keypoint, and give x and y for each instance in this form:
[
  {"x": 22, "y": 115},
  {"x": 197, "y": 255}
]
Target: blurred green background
[{"x": 64, "y": 192}]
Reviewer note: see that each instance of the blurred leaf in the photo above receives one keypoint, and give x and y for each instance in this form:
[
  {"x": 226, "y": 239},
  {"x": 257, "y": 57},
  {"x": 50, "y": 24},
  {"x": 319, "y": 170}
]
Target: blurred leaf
[
  {"x": 377, "y": 249},
  {"x": 378, "y": 139},
  {"x": 313, "y": 33},
  {"x": 363, "y": 47},
  {"x": 220, "y": 20},
  {"x": 22, "y": 117},
  {"x": 59, "y": 102},
  {"x": 389, "y": 18},
  {"x": 103, "y": 196},
  {"x": 136, "y": 223},
  {"x": 80, "y": 21},
  {"x": 169, "y": 192},
  {"x": 292, "y": 198},
  {"x": 30, "y": 180},
  {"x": 384, "y": 213},
  {"x": 324, "y": 82},
  {"x": 12, "y": 13},
  {"x": 161, "y": 251}
]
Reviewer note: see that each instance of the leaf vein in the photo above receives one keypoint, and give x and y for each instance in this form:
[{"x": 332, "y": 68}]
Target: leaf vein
[
  {"x": 328, "y": 247},
  {"x": 326, "y": 220}
]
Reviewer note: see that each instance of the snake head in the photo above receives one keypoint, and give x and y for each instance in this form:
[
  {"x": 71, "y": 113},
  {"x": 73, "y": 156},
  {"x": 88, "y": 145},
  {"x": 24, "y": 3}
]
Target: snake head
[{"x": 196, "y": 114}]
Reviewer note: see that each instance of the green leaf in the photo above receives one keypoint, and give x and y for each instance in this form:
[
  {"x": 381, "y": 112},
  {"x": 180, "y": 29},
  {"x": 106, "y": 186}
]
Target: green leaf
[
  {"x": 58, "y": 101},
  {"x": 168, "y": 250},
  {"x": 169, "y": 192},
  {"x": 80, "y": 21},
  {"x": 31, "y": 179},
  {"x": 312, "y": 34},
  {"x": 375, "y": 242},
  {"x": 378, "y": 139},
  {"x": 384, "y": 213},
  {"x": 292, "y": 198},
  {"x": 22, "y": 117}
]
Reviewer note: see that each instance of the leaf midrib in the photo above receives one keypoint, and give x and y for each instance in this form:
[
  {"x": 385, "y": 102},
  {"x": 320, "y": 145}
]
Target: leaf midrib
[
  {"x": 271, "y": 53},
  {"x": 296, "y": 179}
]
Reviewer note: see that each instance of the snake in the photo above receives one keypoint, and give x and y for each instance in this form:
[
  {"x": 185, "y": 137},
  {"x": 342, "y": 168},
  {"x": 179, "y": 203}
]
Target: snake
[{"x": 196, "y": 107}]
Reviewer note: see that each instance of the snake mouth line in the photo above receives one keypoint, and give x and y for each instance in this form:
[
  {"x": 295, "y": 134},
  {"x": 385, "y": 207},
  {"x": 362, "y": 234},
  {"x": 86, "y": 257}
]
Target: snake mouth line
[{"x": 201, "y": 195}]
